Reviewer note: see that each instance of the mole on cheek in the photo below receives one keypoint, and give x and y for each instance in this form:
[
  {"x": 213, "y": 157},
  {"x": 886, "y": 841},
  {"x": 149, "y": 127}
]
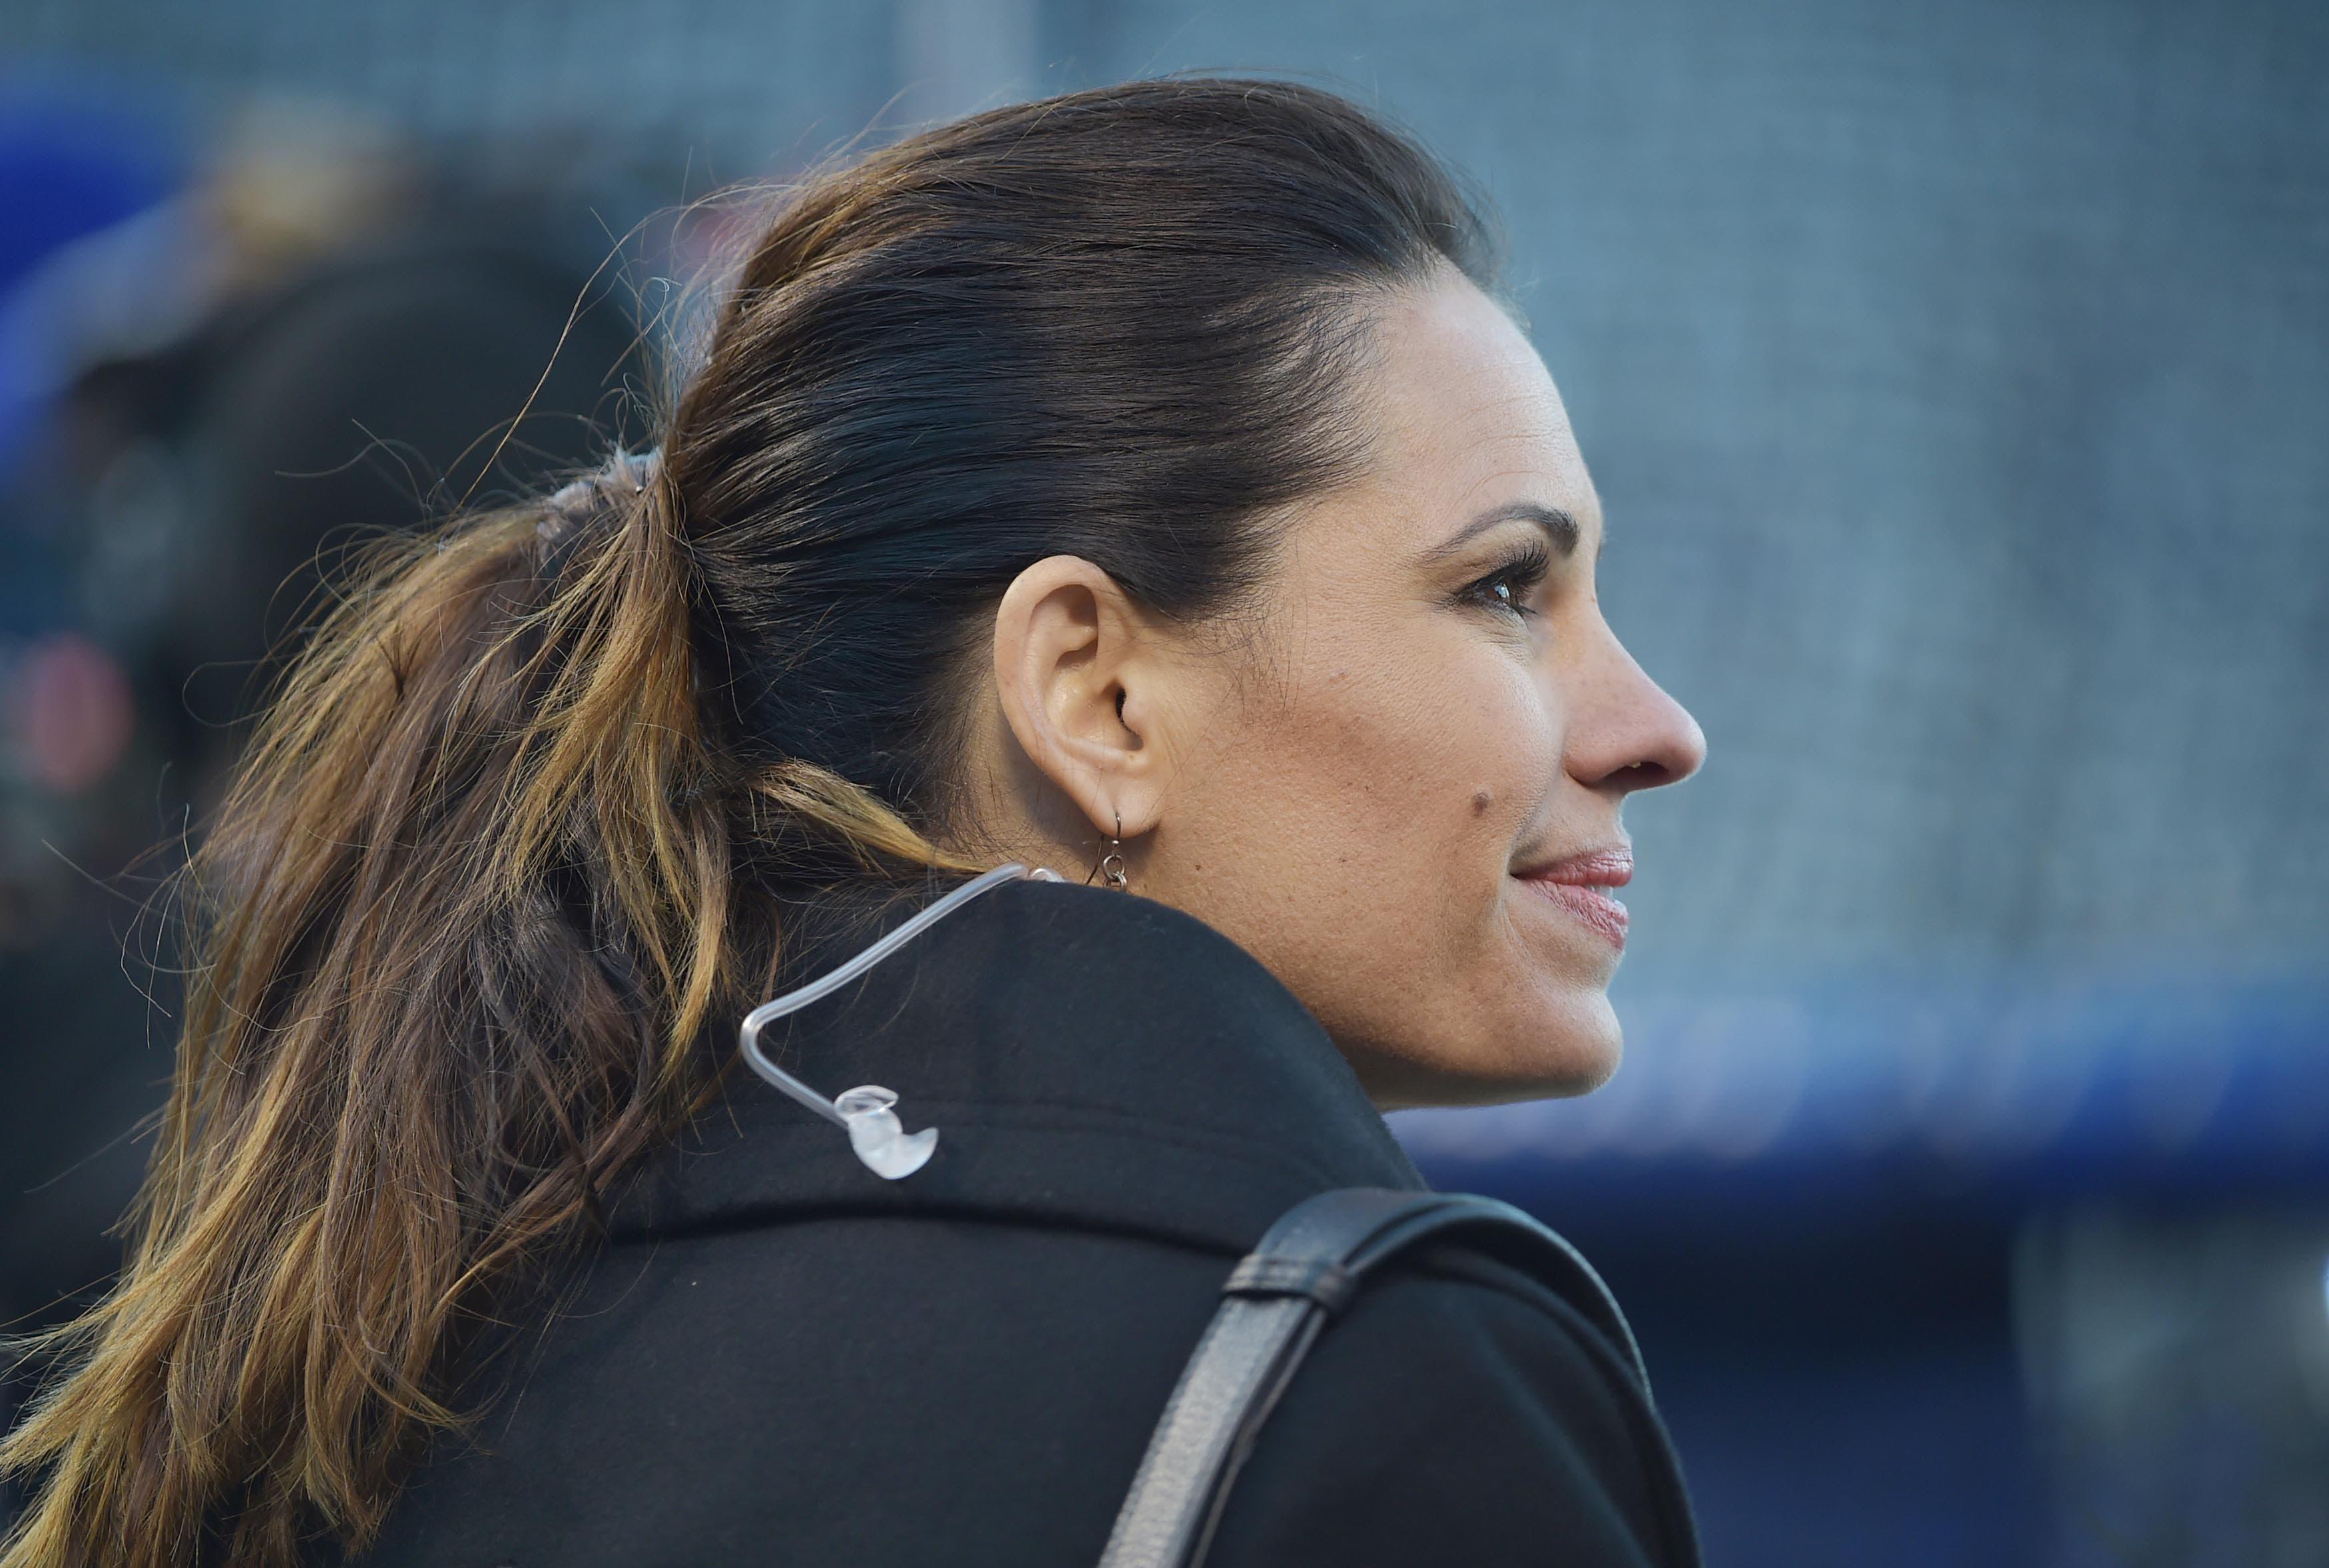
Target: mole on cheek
[{"x": 1482, "y": 800}]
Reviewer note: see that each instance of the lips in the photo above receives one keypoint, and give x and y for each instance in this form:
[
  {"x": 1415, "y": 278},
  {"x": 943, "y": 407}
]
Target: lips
[{"x": 1581, "y": 886}]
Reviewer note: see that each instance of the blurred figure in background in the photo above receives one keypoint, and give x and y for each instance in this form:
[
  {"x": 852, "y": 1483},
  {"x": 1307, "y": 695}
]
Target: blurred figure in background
[{"x": 343, "y": 350}]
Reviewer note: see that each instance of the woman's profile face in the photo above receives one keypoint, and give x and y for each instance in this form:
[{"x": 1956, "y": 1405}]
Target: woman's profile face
[
  {"x": 1434, "y": 711},
  {"x": 1422, "y": 716}
]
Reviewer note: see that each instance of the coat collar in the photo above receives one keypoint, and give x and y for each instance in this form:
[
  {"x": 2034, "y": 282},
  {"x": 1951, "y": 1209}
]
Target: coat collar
[{"x": 1090, "y": 1057}]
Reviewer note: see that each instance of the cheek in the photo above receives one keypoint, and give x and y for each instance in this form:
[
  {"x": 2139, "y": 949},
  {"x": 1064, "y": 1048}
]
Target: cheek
[
  {"x": 1451, "y": 750},
  {"x": 1416, "y": 771}
]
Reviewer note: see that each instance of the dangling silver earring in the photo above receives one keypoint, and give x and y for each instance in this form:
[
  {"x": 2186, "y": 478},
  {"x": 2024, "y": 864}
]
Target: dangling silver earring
[{"x": 1110, "y": 868}]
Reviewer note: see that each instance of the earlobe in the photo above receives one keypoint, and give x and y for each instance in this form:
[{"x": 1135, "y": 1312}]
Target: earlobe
[{"x": 1069, "y": 645}]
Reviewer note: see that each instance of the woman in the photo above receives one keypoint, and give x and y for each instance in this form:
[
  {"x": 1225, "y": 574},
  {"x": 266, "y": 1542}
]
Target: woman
[{"x": 1148, "y": 484}]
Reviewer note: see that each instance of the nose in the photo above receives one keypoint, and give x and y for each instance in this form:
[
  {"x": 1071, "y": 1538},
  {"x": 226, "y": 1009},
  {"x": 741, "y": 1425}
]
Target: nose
[{"x": 1624, "y": 733}]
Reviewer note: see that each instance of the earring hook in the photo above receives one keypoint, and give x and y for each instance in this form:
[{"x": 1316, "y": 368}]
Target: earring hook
[{"x": 1110, "y": 868}]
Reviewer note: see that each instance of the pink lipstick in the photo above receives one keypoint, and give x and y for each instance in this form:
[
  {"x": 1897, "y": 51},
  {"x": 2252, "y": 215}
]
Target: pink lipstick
[{"x": 1583, "y": 884}]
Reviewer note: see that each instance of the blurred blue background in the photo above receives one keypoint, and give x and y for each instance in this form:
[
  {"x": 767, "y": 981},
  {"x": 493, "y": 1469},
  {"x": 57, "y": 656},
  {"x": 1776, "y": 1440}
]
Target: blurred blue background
[{"x": 1956, "y": 381}]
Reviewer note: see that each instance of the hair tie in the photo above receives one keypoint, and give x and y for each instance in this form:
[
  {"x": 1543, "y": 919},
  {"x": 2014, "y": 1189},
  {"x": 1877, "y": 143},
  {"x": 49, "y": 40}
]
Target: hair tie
[{"x": 571, "y": 508}]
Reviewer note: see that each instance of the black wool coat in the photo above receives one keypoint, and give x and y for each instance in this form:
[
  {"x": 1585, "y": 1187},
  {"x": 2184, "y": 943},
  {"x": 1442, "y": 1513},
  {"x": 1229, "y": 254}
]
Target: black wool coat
[{"x": 779, "y": 1357}]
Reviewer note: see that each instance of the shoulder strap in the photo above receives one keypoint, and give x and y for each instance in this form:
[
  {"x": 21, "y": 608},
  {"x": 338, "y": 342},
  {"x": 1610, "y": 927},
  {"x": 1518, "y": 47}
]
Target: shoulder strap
[{"x": 1303, "y": 1273}]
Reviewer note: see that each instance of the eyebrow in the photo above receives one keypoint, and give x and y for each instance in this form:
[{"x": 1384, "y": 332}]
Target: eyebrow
[{"x": 1559, "y": 526}]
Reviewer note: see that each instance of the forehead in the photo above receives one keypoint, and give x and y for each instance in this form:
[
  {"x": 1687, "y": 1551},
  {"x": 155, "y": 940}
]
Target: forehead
[{"x": 1465, "y": 415}]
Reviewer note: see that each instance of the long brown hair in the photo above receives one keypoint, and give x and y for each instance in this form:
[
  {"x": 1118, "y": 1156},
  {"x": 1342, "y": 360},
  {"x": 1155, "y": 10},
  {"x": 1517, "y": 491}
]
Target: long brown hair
[{"x": 517, "y": 839}]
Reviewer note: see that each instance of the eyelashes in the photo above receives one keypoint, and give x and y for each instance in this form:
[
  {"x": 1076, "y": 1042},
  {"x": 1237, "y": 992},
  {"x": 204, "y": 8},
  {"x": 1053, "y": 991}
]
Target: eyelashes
[{"x": 1507, "y": 587}]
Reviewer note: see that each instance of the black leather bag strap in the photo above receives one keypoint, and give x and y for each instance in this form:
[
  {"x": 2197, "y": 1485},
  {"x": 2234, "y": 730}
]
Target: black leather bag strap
[{"x": 1303, "y": 1273}]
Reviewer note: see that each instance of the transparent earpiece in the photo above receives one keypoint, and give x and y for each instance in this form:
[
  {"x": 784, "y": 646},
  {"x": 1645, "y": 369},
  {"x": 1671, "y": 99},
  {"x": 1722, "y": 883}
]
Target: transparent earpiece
[
  {"x": 877, "y": 1134},
  {"x": 868, "y": 1114}
]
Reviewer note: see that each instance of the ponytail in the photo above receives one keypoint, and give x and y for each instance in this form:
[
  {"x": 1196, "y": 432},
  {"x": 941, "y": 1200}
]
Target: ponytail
[{"x": 459, "y": 929}]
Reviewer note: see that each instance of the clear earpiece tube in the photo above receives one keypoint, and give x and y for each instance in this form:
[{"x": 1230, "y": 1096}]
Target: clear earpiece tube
[{"x": 868, "y": 1112}]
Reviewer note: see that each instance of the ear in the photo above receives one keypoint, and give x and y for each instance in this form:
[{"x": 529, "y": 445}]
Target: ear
[{"x": 1079, "y": 668}]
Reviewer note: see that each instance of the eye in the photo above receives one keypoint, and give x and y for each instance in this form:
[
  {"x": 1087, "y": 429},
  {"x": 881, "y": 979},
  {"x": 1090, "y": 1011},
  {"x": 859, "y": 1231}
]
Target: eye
[{"x": 1507, "y": 587}]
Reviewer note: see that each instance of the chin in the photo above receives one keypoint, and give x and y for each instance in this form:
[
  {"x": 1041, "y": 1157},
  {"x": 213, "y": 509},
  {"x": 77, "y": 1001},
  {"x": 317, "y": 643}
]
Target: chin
[
  {"x": 1560, "y": 1067},
  {"x": 1577, "y": 1072},
  {"x": 1571, "y": 1047}
]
